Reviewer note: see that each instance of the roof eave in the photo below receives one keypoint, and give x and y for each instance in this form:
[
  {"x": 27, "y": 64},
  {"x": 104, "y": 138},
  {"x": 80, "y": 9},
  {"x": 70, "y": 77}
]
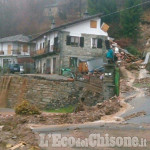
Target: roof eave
[{"x": 68, "y": 24}]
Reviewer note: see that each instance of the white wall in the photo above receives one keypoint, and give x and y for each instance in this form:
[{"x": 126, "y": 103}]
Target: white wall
[
  {"x": 50, "y": 37},
  {"x": 4, "y": 47},
  {"x": 84, "y": 28},
  {"x": 75, "y": 30}
]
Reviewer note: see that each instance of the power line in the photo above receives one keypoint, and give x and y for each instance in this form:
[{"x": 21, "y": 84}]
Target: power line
[
  {"x": 112, "y": 13},
  {"x": 126, "y": 9}
]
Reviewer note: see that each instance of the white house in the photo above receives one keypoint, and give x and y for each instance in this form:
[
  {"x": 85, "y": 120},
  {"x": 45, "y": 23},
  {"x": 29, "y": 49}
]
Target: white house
[
  {"x": 12, "y": 48},
  {"x": 64, "y": 46}
]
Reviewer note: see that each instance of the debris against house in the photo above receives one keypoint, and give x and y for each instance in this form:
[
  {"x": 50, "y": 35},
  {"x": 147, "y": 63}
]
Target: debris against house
[
  {"x": 91, "y": 65},
  {"x": 132, "y": 66},
  {"x": 122, "y": 55}
]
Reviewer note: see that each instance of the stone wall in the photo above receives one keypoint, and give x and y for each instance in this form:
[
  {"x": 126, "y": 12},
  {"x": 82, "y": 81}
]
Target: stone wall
[
  {"x": 86, "y": 52},
  {"x": 47, "y": 94}
]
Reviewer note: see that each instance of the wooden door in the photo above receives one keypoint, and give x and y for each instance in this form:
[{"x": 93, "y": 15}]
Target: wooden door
[
  {"x": 48, "y": 66},
  {"x": 9, "y": 49},
  {"x": 54, "y": 65},
  {"x": 25, "y": 48}
]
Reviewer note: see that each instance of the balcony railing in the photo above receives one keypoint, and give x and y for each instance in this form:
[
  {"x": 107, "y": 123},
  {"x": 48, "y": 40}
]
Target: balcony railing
[
  {"x": 1, "y": 52},
  {"x": 16, "y": 52},
  {"x": 44, "y": 51}
]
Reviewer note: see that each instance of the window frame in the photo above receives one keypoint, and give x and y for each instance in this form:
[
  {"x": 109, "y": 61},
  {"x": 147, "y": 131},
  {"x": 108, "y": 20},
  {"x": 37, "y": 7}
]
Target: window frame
[
  {"x": 94, "y": 40},
  {"x": 75, "y": 41}
]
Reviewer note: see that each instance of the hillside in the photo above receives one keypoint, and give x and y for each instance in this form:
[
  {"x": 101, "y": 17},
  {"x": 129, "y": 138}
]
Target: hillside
[{"x": 145, "y": 30}]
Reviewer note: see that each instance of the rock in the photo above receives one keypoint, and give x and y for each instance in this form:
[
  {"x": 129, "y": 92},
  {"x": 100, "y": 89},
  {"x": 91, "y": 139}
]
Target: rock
[
  {"x": 9, "y": 145},
  {"x": 14, "y": 137}
]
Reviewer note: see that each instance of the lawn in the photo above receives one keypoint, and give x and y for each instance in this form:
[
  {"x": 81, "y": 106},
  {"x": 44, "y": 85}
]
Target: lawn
[{"x": 69, "y": 109}]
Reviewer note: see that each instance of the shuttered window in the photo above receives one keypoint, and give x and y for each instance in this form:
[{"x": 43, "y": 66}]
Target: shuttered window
[
  {"x": 107, "y": 44},
  {"x": 25, "y": 48},
  {"x": 68, "y": 41},
  {"x": 56, "y": 43},
  {"x": 82, "y": 41},
  {"x": 93, "y": 24},
  {"x": 99, "y": 43},
  {"x": 75, "y": 41},
  {"x": 94, "y": 43}
]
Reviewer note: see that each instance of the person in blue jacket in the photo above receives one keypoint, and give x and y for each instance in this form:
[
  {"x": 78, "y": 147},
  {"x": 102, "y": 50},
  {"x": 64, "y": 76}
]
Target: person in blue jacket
[{"x": 110, "y": 56}]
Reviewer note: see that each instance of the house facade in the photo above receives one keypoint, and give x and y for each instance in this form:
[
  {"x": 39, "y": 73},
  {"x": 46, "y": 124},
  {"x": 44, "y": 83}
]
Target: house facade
[
  {"x": 64, "y": 46},
  {"x": 13, "y": 48}
]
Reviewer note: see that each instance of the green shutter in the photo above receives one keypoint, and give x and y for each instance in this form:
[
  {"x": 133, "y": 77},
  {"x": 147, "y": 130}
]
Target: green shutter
[
  {"x": 68, "y": 41},
  {"x": 107, "y": 44},
  {"x": 99, "y": 43},
  {"x": 82, "y": 41}
]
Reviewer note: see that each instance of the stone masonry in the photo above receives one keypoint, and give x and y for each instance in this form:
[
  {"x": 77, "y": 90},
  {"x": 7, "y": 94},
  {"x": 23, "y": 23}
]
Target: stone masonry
[
  {"x": 86, "y": 52},
  {"x": 48, "y": 94}
]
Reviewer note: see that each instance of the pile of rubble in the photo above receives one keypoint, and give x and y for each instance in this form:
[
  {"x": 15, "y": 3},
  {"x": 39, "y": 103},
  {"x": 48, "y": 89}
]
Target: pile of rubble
[
  {"x": 124, "y": 88},
  {"x": 122, "y": 55},
  {"x": 15, "y": 128}
]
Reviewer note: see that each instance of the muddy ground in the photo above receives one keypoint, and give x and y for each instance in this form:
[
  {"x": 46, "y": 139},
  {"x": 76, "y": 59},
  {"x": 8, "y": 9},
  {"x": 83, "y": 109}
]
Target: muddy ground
[{"x": 16, "y": 128}]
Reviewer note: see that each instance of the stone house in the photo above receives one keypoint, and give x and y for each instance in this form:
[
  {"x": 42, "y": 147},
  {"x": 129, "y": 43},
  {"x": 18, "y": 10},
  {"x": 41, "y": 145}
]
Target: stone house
[
  {"x": 64, "y": 46},
  {"x": 14, "y": 48}
]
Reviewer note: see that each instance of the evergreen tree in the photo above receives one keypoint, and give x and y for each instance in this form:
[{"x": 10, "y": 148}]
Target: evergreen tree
[
  {"x": 130, "y": 19},
  {"x": 105, "y": 7}
]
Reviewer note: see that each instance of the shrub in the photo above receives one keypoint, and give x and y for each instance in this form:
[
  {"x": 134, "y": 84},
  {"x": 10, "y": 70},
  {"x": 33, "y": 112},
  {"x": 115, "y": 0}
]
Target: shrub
[
  {"x": 133, "y": 66},
  {"x": 133, "y": 50},
  {"x": 25, "y": 108}
]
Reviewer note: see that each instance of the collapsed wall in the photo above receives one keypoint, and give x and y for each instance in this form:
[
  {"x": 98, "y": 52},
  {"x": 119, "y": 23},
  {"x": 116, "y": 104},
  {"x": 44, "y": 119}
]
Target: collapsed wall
[{"x": 47, "y": 94}]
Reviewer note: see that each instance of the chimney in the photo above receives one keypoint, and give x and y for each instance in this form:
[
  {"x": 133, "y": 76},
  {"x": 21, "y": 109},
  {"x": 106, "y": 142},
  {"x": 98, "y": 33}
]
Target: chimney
[
  {"x": 53, "y": 24},
  {"x": 86, "y": 14}
]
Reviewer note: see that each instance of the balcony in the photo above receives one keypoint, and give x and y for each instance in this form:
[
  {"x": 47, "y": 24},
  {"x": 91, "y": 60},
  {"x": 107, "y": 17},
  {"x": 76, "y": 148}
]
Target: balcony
[
  {"x": 45, "y": 51},
  {"x": 1, "y": 52},
  {"x": 16, "y": 52}
]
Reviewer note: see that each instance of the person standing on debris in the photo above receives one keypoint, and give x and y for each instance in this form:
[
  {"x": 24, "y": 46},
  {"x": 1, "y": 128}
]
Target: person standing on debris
[{"x": 110, "y": 56}]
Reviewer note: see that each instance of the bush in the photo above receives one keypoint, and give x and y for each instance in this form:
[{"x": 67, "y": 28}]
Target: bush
[
  {"x": 133, "y": 50},
  {"x": 25, "y": 108},
  {"x": 133, "y": 66}
]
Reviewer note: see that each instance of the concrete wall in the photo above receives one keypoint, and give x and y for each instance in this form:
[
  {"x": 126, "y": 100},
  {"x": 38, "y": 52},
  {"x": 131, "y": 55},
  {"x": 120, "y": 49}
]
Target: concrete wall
[{"x": 47, "y": 94}]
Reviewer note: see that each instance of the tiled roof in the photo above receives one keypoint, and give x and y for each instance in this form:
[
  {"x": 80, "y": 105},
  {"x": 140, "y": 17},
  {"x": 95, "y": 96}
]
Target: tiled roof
[
  {"x": 16, "y": 38},
  {"x": 68, "y": 24}
]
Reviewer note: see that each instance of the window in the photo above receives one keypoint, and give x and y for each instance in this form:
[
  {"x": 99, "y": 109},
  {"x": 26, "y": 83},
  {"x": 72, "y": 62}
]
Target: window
[
  {"x": 73, "y": 62},
  {"x": 97, "y": 43},
  {"x": 56, "y": 43},
  {"x": 40, "y": 45},
  {"x": 94, "y": 43},
  {"x": 93, "y": 24},
  {"x": 75, "y": 41},
  {"x": 107, "y": 44},
  {"x": 25, "y": 48}
]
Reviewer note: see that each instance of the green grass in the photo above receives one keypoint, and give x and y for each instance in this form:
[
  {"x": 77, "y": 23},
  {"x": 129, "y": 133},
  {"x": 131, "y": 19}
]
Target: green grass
[
  {"x": 69, "y": 109},
  {"x": 141, "y": 85}
]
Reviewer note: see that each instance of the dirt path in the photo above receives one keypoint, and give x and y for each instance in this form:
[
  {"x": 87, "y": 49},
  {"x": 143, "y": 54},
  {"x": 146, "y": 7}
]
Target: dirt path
[{"x": 125, "y": 106}]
